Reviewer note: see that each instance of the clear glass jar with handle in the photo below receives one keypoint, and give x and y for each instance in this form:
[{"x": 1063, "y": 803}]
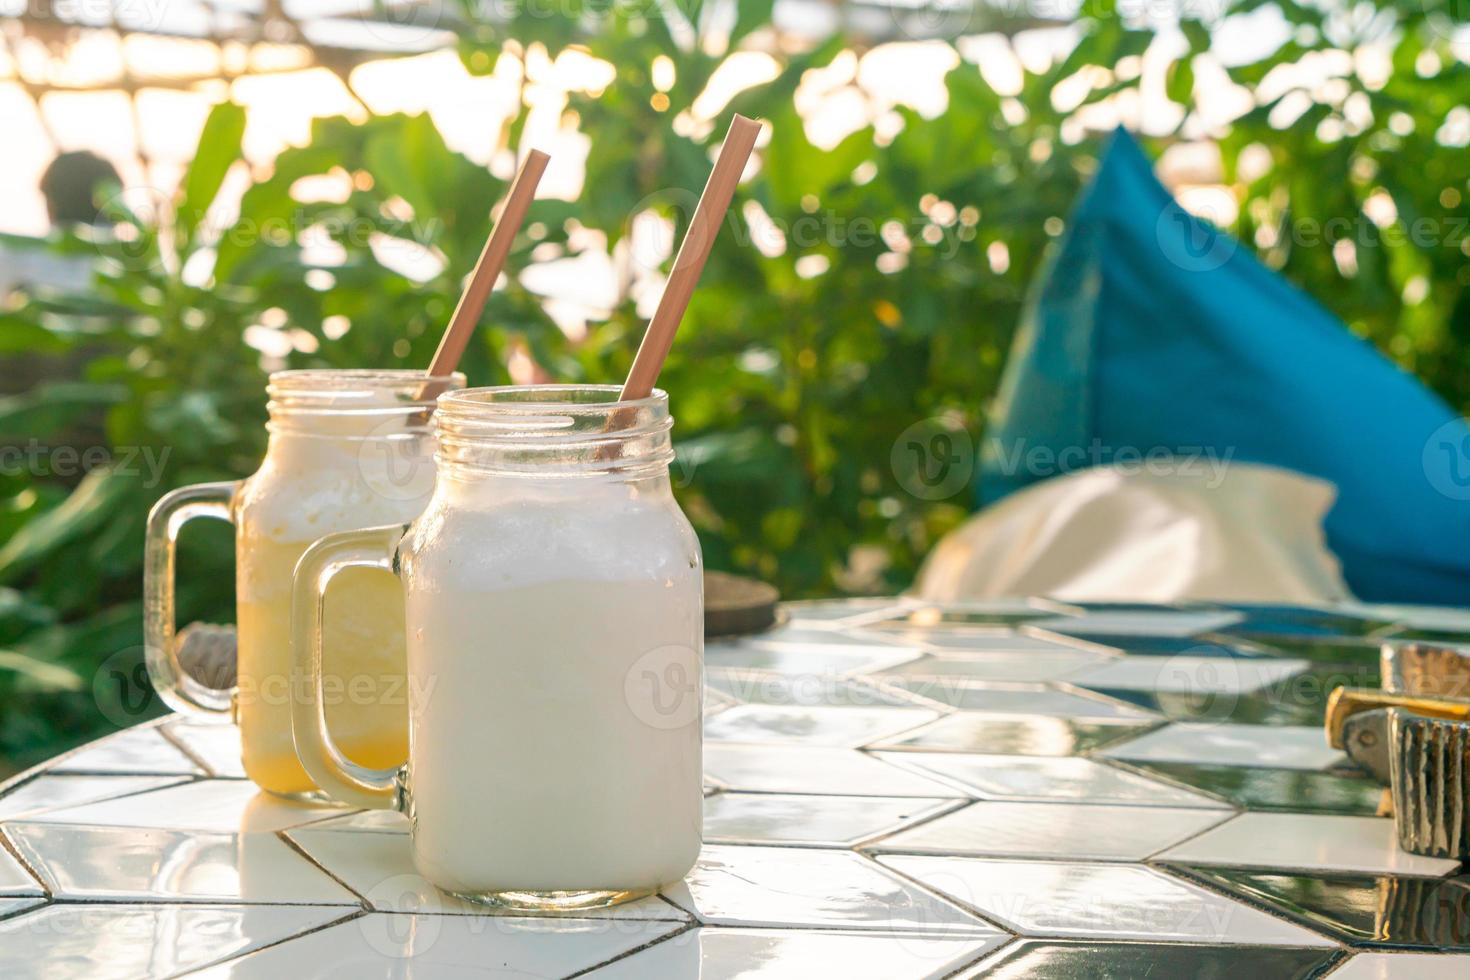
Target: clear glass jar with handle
[
  {"x": 554, "y": 599},
  {"x": 347, "y": 449}
]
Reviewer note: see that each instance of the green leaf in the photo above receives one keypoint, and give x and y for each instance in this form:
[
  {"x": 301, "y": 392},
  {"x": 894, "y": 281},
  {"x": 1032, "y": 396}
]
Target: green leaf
[
  {"x": 51, "y": 407},
  {"x": 1180, "y": 87},
  {"x": 40, "y": 674},
  {"x": 219, "y": 148},
  {"x": 88, "y": 507},
  {"x": 752, "y": 14},
  {"x": 408, "y": 161},
  {"x": 23, "y": 335},
  {"x": 1197, "y": 34}
]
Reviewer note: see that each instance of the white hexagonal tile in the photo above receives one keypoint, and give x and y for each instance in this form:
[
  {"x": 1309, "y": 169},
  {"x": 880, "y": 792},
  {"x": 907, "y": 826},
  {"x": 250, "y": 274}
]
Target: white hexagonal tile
[
  {"x": 1049, "y": 778},
  {"x": 1184, "y": 674},
  {"x": 1273, "y": 746},
  {"x": 47, "y": 792},
  {"x": 789, "y": 886},
  {"x": 1085, "y": 900},
  {"x": 789, "y": 769},
  {"x": 141, "y": 751},
  {"x": 801, "y": 725},
  {"x": 1307, "y": 842},
  {"x": 101, "y": 942},
  {"x": 1404, "y": 966},
  {"x": 1054, "y": 830},
  {"x": 222, "y": 806},
  {"x": 812, "y": 821},
  {"x": 713, "y": 953},
  {"x": 380, "y": 945},
  {"x": 123, "y": 863},
  {"x": 216, "y": 744}
]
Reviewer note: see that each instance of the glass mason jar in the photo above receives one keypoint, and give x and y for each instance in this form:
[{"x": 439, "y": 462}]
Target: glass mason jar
[
  {"x": 554, "y": 598},
  {"x": 347, "y": 449}
]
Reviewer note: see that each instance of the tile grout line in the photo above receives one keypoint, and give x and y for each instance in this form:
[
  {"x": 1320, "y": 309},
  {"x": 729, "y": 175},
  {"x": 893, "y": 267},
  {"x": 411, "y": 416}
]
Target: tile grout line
[
  {"x": 667, "y": 937},
  {"x": 349, "y": 917},
  {"x": 290, "y": 842},
  {"x": 8, "y": 846},
  {"x": 1181, "y": 872},
  {"x": 1010, "y": 940},
  {"x": 193, "y": 757},
  {"x": 48, "y": 766},
  {"x": 29, "y": 816},
  {"x": 1229, "y": 816},
  {"x": 993, "y": 921}
]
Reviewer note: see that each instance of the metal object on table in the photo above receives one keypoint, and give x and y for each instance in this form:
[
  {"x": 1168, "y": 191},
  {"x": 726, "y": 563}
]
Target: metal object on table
[
  {"x": 1429, "y": 771},
  {"x": 1414, "y": 737}
]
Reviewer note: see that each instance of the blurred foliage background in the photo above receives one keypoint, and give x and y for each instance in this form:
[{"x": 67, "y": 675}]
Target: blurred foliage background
[{"x": 858, "y": 289}]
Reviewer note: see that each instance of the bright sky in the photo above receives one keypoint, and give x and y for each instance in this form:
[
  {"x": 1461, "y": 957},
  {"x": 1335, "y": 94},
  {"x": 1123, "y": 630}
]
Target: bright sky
[{"x": 468, "y": 109}]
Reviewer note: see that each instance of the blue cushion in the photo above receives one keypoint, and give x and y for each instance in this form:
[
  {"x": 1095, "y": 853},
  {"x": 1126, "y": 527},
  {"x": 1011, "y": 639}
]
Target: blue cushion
[{"x": 1152, "y": 331}]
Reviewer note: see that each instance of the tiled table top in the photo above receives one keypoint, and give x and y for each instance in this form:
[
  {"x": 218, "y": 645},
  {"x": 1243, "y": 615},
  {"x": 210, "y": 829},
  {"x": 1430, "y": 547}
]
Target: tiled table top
[{"x": 895, "y": 790}]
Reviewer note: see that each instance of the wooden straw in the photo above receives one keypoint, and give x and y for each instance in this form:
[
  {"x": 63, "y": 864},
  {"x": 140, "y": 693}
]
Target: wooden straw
[
  {"x": 689, "y": 263},
  {"x": 472, "y": 302}
]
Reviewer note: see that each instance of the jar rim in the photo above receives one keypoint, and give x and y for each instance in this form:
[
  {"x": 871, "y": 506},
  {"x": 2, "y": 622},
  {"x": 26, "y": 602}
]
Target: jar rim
[
  {"x": 552, "y": 430},
  {"x": 300, "y": 399},
  {"x": 339, "y": 378},
  {"x": 540, "y": 399}
]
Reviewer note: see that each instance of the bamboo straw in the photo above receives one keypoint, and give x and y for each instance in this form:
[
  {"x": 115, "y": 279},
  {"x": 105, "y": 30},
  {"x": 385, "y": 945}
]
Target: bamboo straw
[
  {"x": 472, "y": 301},
  {"x": 689, "y": 263}
]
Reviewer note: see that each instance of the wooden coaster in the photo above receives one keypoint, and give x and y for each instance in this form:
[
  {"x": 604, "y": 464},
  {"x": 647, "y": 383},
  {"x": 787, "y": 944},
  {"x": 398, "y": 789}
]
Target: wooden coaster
[{"x": 735, "y": 605}]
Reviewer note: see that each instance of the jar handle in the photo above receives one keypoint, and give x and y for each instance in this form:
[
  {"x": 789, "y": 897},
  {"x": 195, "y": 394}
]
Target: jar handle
[
  {"x": 337, "y": 776},
  {"x": 175, "y": 685}
]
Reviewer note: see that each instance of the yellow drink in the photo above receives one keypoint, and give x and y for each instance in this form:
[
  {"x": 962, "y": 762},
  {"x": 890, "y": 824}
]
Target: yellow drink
[
  {"x": 347, "y": 450},
  {"x": 363, "y": 654}
]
